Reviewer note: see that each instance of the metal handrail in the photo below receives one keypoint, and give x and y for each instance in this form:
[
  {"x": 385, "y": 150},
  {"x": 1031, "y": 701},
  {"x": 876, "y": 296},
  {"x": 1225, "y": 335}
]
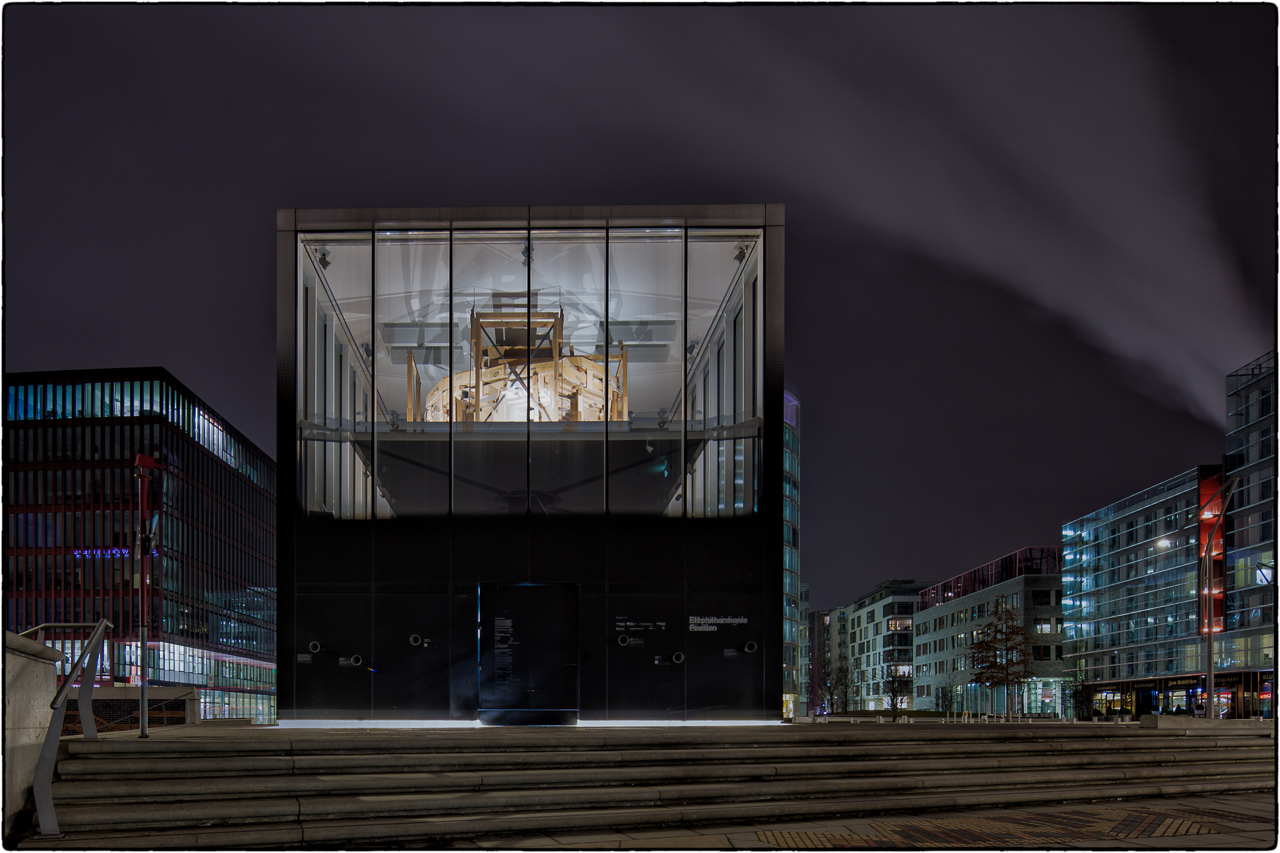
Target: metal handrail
[
  {"x": 41, "y": 785},
  {"x": 46, "y": 626}
]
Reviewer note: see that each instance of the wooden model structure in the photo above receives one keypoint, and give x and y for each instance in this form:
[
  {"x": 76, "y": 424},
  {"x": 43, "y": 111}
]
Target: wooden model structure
[{"x": 509, "y": 376}]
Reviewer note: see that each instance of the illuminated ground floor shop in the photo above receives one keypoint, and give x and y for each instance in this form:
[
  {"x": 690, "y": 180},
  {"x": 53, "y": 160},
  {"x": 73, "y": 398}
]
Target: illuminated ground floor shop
[
  {"x": 1240, "y": 695},
  {"x": 1040, "y": 697}
]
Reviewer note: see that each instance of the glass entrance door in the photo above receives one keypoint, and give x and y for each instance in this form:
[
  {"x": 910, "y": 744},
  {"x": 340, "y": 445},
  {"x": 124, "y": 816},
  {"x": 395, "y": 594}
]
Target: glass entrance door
[{"x": 528, "y": 654}]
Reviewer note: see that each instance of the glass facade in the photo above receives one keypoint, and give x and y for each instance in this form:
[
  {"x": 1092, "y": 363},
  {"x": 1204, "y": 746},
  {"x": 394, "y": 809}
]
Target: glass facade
[
  {"x": 793, "y": 615},
  {"x": 569, "y": 419},
  {"x": 1248, "y": 577},
  {"x": 1135, "y": 617},
  {"x": 1129, "y": 585},
  {"x": 802, "y": 702},
  {"x": 71, "y": 515},
  {"x": 548, "y": 371}
]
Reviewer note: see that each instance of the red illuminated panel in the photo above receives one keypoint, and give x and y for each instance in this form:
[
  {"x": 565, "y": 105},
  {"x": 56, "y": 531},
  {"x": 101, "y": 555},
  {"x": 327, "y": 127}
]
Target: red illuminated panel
[{"x": 1208, "y": 518}]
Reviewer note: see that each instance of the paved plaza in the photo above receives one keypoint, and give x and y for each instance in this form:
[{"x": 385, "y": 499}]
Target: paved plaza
[{"x": 1198, "y": 822}]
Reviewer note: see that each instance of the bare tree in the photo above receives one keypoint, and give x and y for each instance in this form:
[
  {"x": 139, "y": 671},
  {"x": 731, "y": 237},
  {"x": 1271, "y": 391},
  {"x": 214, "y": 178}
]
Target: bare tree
[
  {"x": 1002, "y": 656},
  {"x": 831, "y": 689},
  {"x": 1077, "y": 697},
  {"x": 944, "y": 699},
  {"x": 898, "y": 685}
]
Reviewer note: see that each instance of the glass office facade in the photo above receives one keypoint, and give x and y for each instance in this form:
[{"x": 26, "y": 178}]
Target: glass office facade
[
  {"x": 72, "y": 514},
  {"x": 1135, "y": 619},
  {"x": 1129, "y": 586},
  {"x": 792, "y": 616},
  {"x": 554, "y": 371},
  {"x": 540, "y": 418},
  {"x": 1247, "y": 641}
]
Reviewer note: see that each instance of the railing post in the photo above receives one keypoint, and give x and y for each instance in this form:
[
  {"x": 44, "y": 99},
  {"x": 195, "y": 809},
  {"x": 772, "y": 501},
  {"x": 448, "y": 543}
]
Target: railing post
[
  {"x": 84, "y": 699},
  {"x": 41, "y": 786}
]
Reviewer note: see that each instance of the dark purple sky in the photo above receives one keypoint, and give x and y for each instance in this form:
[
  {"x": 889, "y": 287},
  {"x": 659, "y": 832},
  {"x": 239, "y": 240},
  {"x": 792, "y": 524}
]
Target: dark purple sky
[{"x": 1024, "y": 243}]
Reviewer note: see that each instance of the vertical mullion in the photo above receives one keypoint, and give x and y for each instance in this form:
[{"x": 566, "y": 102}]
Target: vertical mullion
[
  {"x": 373, "y": 372},
  {"x": 684, "y": 433},
  {"x": 684, "y": 377},
  {"x": 528, "y": 366},
  {"x": 452, "y": 403},
  {"x": 608, "y": 429},
  {"x": 607, "y": 412}
]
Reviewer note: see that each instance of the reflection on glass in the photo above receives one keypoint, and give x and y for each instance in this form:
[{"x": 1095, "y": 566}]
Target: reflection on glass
[
  {"x": 335, "y": 394},
  {"x": 722, "y": 379},
  {"x": 646, "y": 342},
  {"x": 412, "y": 359},
  {"x": 489, "y": 398},
  {"x": 571, "y": 381},
  {"x": 515, "y": 352}
]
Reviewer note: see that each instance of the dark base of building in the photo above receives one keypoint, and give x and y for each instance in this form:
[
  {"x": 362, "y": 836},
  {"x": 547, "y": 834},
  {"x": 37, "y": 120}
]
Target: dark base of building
[
  {"x": 529, "y": 718},
  {"x": 497, "y": 620}
]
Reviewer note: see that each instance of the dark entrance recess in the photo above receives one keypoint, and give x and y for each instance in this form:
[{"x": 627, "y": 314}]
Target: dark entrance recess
[{"x": 528, "y": 654}]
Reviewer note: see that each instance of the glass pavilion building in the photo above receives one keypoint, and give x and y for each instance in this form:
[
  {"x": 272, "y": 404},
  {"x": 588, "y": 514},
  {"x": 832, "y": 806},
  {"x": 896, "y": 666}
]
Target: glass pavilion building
[{"x": 535, "y": 455}]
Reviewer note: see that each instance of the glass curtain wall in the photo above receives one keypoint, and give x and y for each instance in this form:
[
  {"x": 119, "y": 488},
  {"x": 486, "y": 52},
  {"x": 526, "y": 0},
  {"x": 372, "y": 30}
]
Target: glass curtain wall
[
  {"x": 724, "y": 378},
  {"x": 412, "y": 358},
  {"x": 336, "y": 398},
  {"x": 574, "y": 385},
  {"x": 646, "y": 358},
  {"x": 552, "y": 372}
]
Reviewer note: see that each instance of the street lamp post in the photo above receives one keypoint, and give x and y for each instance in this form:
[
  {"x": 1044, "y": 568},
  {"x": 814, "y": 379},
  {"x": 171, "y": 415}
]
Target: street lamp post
[{"x": 144, "y": 542}]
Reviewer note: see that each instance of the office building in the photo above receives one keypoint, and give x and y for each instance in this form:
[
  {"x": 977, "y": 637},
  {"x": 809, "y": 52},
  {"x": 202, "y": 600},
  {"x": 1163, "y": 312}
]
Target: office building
[
  {"x": 953, "y": 614},
  {"x": 1247, "y": 642},
  {"x": 879, "y": 644},
  {"x": 534, "y": 455},
  {"x": 791, "y": 609},
  {"x": 1129, "y": 595},
  {"x": 1136, "y": 613},
  {"x": 802, "y": 704},
  {"x": 71, "y": 516}
]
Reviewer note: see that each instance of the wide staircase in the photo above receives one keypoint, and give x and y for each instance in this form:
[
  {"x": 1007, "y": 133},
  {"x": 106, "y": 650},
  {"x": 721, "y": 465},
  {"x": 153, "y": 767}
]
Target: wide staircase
[{"x": 223, "y": 787}]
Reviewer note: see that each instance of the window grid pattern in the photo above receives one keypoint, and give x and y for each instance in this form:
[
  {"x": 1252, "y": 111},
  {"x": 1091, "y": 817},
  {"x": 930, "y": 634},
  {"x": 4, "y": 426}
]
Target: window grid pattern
[
  {"x": 71, "y": 513},
  {"x": 1130, "y": 603},
  {"x": 1248, "y": 637}
]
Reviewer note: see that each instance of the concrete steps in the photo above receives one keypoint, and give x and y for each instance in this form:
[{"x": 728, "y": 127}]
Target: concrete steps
[{"x": 359, "y": 786}]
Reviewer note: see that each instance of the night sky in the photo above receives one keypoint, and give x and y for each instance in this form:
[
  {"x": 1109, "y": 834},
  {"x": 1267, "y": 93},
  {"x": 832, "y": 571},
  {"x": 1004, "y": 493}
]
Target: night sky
[{"x": 1024, "y": 244}]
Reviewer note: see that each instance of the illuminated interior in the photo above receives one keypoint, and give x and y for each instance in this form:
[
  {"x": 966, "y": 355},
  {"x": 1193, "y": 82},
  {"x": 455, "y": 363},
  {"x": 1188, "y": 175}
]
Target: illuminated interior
[{"x": 557, "y": 372}]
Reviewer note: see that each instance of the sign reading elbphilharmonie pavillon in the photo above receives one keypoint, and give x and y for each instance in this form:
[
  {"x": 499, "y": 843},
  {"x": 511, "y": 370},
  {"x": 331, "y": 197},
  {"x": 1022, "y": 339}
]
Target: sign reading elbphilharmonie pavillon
[{"x": 534, "y": 462}]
